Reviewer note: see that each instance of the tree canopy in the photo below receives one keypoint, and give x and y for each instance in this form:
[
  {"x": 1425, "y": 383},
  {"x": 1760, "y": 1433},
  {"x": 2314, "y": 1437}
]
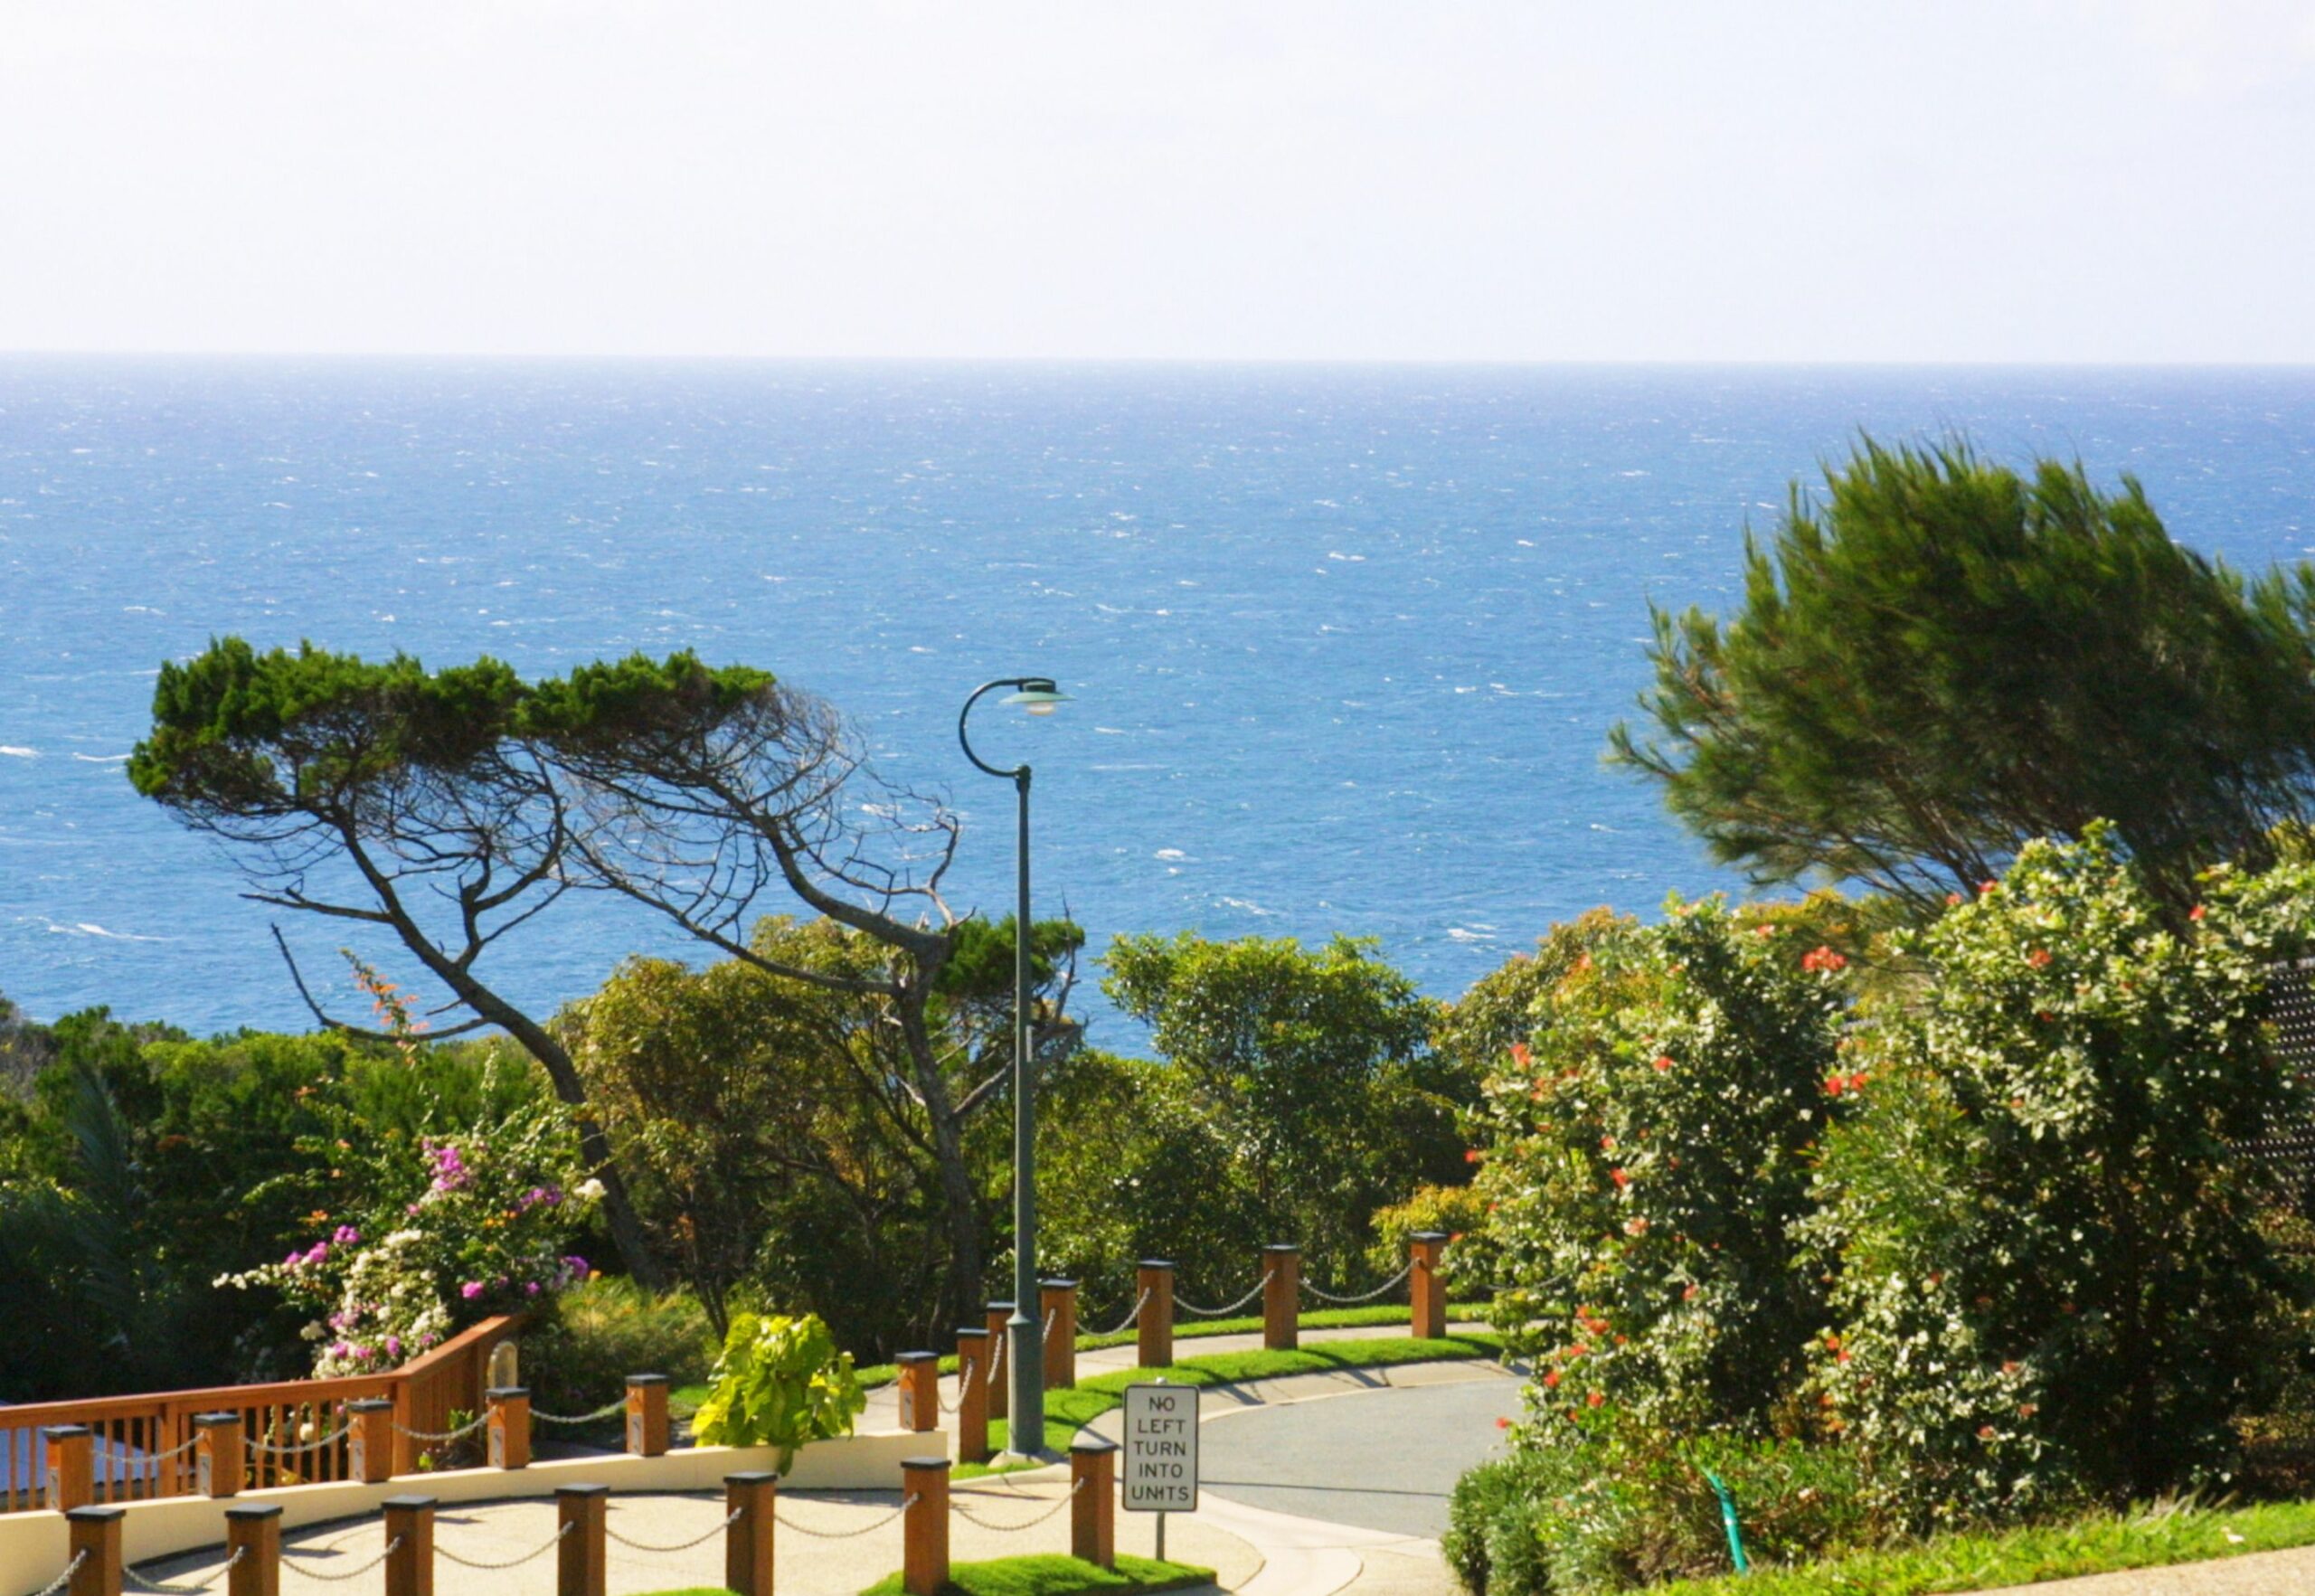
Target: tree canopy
[
  {"x": 450, "y": 808},
  {"x": 1941, "y": 658}
]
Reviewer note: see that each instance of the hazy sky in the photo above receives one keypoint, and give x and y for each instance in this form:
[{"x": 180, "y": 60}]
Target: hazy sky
[{"x": 2106, "y": 180}]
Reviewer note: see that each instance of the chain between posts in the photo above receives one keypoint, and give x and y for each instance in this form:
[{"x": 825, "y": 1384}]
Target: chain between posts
[
  {"x": 1363, "y": 1296},
  {"x": 1126, "y": 1323},
  {"x": 964, "y": 1388},
  {"x": 605, "y": 1412},
  {"x": 460, "y": 1433},
  {"x": 332, "y": 1438},
  {"x": 968, "y": 1515},
  {"x": 1216, "y": 1312},
  {"x": 844, "y": 1534},
  {"x": 64, "y": 1579},
  {"x": 288, "y": 1553},
  {"x": 543, "y": 1546},
  {"x": 129, "y": 1576},
  {"x": 730, "y": 1519}
]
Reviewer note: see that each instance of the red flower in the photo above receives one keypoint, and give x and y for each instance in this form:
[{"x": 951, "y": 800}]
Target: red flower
[
  {"x": 1551, "y": 1378},
  {"x": 1987, "y": 886},
  {"x": 2039, "y": 959},
  {"x": 1985, "y": 1432},
  {"x": 1823, "y": 959},
  {"x": 1689, "y": 1295},
  {"x": 1595, "y": 1399},
  {"x": 1473, "y": 1156},
  {"x": 1502, "y": 1424},
  {"x": 1607, "y": 1144},
  {"x": 1519, "y": 1054},
  {"x": 1765, "y": 930},
  {"x": 1663, "y": 1063},
  {"x": 2196, "y": 912},
  {"x": 1619, "y": 1178},
  {"x": 1833, "y": 1084},
  {"x": 1952, "y": 898}
]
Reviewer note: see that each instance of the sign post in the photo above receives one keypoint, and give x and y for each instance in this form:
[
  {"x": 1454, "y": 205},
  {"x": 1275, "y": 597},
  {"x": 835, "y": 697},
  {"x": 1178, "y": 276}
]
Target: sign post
[{"x": 1161, "y": 1451}]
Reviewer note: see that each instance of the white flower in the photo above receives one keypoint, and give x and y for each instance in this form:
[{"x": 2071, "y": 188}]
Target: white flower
[{"x": 590, "y": 1190}]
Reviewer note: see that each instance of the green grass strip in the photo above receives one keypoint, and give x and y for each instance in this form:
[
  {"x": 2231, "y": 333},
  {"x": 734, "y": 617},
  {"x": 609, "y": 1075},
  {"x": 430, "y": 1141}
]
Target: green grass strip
[
  {"x": 1058, "y": 1576},
  {"x": 1070, "y": 1411},
  {"x": 2099, "y": 1542}
]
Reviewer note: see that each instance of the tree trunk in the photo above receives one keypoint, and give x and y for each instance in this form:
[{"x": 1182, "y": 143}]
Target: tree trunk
[
  {"x": 958, "y": 1206},
  {"x": 618, "y": 1209}
]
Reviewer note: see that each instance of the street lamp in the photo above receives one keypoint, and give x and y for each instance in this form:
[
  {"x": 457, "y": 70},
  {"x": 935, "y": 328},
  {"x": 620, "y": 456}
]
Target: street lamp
[{"x": 1023, "y": 1343}]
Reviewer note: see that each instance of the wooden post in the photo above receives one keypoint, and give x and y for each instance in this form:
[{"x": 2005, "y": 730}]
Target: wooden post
[
  {"x": 410, "y": 1531},
  {"x": 1057, "y": 1304},
  {"x": 96, "y": 1532},
  {"x": 218, "y": 1457},
  {"x": 999, "y": 1400},
  {"x": 920, "y": 1383},
  {"x": 1093, "y": 1508},
  {"x": 581, "y": 1556},
  {"x": 924, "y": 1545},
  {"x": 646, "y": 1414},
  {"x": 746, "y": 1545},
  {"x": 972, "y": 1395},
  {"x": 253, "y": 1535},
  {"x": 369, "y": 1447},
  {"x": 509, "y": 1426},
  {"x": 71, "y": 1466},
  {"x": 1153, "y": 1330},
  {"x": 1426, "y": 1287},
  {"x": 1282, "y": 1297}
]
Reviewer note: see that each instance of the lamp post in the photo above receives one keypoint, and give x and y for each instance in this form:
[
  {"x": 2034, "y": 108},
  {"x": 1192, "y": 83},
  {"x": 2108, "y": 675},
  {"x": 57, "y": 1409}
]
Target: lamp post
[{"x": 1024, "y": 1342}]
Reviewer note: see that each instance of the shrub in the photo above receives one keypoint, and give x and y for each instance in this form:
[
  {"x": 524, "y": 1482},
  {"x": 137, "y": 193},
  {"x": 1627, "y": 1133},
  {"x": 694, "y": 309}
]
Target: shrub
[
  {"x": 456, "y": 1227},
  {"x": 1495, "y": 1501},
  {"x": 1647, "y": 1153},
  {"x": 1626, "y": 1507},
  {"x": 2050, "y": 1267},
  {"x": 781, "y": 1382},
  {"x": 609, "y": 1328},
  {"x": 1456, "y": 1212}
]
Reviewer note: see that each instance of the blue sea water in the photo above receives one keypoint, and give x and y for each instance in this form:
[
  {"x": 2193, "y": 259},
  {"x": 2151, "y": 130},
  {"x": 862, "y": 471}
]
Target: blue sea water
[{"x": 1345, "y": 642}]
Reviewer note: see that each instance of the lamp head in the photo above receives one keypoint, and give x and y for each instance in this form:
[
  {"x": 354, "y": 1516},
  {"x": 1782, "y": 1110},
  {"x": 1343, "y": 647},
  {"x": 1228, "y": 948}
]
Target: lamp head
[{"x": 1038, "y": 695}]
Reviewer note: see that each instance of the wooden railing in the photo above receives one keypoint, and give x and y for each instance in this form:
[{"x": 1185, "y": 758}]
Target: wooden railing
[{"x": 142, "y": 1445}]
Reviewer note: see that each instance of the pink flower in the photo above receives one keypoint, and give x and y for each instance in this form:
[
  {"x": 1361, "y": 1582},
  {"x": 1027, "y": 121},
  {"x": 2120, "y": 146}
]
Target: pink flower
[
  {"x": 317, "y": 1252},
  {"x": 346, "y": 1235},
  {"x": 470, "y": 1290},
  {"x": 393, "y": 1346}
]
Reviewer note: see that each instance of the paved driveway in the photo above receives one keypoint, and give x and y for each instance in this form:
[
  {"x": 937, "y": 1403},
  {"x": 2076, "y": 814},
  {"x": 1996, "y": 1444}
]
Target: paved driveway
[{"x": 1385, "y": 1459}]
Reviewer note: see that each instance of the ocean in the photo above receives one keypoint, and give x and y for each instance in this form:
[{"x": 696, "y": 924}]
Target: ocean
[{"x": 1344, "y": 642}]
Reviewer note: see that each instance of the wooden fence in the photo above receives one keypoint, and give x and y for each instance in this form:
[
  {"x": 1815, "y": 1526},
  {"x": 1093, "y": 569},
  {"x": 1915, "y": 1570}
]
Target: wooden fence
[{"x": 295, "y": 1429}]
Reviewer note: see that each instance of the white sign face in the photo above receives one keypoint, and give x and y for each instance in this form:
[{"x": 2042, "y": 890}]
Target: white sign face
[{"x": 1161, "y": 1448}]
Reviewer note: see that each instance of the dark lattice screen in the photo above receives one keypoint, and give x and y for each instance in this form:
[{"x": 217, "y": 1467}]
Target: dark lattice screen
[{"x": 2288, "y": 1149}]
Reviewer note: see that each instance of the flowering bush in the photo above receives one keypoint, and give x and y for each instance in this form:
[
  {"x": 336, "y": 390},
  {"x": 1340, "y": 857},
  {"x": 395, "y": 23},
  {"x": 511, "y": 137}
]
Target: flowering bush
[
  {"x": 2049, "y": 1269},
  {"x": 1649, "y": 1150},
  {"x": 463, "y": 1225}
]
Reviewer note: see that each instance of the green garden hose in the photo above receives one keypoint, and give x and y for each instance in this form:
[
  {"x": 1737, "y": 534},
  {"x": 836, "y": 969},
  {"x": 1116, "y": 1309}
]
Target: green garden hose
[{"x": 1728, "y": 1522}]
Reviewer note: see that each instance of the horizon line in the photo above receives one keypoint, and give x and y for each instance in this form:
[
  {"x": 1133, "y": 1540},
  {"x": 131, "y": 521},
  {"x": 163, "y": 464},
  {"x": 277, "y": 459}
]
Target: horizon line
[{"x": 1412, "y": 361}]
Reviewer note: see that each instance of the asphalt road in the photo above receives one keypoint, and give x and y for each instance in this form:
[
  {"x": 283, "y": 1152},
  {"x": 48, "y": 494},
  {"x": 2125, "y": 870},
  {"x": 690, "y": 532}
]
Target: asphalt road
[{"x": 1385, "y": 1460}]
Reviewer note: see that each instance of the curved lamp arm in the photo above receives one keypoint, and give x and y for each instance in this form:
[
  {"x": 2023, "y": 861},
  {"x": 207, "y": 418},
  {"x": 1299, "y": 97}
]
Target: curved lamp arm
[{"x": 1017, "y": 683}]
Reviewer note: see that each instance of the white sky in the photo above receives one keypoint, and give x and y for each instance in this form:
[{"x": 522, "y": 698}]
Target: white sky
[{"x": 2006, "y": 180}]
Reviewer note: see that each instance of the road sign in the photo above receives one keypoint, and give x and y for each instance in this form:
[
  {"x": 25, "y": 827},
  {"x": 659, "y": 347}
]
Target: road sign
[{"x": 1161, "y": 1448}]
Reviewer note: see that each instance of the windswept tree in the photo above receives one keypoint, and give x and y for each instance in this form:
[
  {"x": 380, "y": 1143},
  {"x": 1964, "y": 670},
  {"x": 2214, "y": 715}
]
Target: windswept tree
[
  {"x": 450, "y": 809},
  {"x": 1941, "y": 658}
]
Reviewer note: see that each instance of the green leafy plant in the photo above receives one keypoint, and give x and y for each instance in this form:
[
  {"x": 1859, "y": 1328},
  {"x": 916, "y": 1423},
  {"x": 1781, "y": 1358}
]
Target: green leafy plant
[{"x": 782, "y": 1383}]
